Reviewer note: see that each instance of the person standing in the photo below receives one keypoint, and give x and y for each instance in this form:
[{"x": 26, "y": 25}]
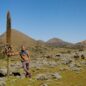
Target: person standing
[{"x": 25, "y": 59}]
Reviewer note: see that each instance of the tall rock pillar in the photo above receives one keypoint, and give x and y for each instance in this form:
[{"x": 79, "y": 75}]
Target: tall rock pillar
[{"x": 8, "y": 28}]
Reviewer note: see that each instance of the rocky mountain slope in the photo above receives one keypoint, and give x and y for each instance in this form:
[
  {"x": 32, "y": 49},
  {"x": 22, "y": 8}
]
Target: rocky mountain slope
[{"x": 58, "y": 42}]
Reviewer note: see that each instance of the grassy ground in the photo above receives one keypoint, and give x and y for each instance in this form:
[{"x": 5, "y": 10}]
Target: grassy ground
[{"x": 70, "y": 78}]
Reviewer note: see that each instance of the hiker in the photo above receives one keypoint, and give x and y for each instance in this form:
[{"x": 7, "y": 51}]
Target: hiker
[{"x": 25, "y": 59}]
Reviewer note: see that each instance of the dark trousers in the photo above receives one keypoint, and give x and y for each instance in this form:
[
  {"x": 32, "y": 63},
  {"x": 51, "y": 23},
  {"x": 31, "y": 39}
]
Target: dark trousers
[{"x": 26, "y": 68}]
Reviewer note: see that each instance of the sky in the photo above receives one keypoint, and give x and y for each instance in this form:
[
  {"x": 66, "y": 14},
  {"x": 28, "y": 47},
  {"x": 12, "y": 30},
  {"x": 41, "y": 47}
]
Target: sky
[{"x": 46, "y": 19}]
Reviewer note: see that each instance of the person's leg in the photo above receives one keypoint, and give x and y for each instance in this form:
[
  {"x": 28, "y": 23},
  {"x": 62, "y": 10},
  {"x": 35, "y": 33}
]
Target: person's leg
[
  {"x": 24, "y": 67},
  {"x": 27, "y": 66}
]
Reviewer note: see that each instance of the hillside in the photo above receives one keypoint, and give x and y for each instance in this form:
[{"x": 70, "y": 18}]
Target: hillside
[
  {"x": 18, "y": 39},
  {"x": 82, "y": 43},
  {"x": 58, "y": 42}
]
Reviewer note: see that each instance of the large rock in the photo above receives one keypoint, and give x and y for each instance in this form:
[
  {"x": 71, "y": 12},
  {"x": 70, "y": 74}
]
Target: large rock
[
  {"x": 66, "y": 61},
  {"x": 74, "y": 67},
  {"x": 83, "y": 63},
  {"x": 2, "y": 82},
  {"x": 44, "y": 84},
  {"x": 3, "y": 72},
  {"x": 42, "y": 77},
  {"x": 16, "y": 65},
  {"x": 57, "y": 76},
  {"x": 48, "y": 76},
  {"x": 52, "y": 64}
]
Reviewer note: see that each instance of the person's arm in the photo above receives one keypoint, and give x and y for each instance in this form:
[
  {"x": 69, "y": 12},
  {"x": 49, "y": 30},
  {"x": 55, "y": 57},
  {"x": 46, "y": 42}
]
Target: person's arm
[
  {"x": 16, "y": 53},
  {"x": 13, "y": 53}
]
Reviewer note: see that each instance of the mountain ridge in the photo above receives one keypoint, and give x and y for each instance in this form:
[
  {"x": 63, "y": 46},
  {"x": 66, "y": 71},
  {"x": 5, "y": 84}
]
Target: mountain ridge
[{"x": 19, "y": 38}]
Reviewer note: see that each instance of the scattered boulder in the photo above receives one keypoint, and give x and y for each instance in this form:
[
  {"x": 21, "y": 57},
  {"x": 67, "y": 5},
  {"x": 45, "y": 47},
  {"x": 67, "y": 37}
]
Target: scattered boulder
[
  {"x": 43, "y": 84},
  {"x": 80, "y": 50},
  {"x": 58, "y": 55},
  {"x": 16, "y": 65},
  {"x": 74, "y": 67},
  {"x": 69, "y": 52},
  {"x": 57, "y": 76},
  {"x": 22, "y": 76},
  {"x": 66, "y": 61},
  {"x": 42, "y": 77},
  {"x": 49, "y": 76},
  {"x": 83, "y": 63},
  {"x": 64, "y": 68},
  {"x": 2, "y": 82},
  {"x": 16, "y": 74},
  {"x": 76, "y": 56},
  {"x": 48, "y": 56},
  {"x": 52, "y": 63},
  {"x": 82, "y": 56},
  {"x": 3, "y": 72}
]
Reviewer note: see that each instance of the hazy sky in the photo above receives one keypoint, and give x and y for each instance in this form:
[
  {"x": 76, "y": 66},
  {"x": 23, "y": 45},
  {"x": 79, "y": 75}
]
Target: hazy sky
[{"x": 45, "y": 19}]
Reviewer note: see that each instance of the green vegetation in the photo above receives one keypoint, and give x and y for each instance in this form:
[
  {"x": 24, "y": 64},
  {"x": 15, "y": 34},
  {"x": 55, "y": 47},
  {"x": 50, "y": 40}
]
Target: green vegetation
[{"x": 69, "y": 79}]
